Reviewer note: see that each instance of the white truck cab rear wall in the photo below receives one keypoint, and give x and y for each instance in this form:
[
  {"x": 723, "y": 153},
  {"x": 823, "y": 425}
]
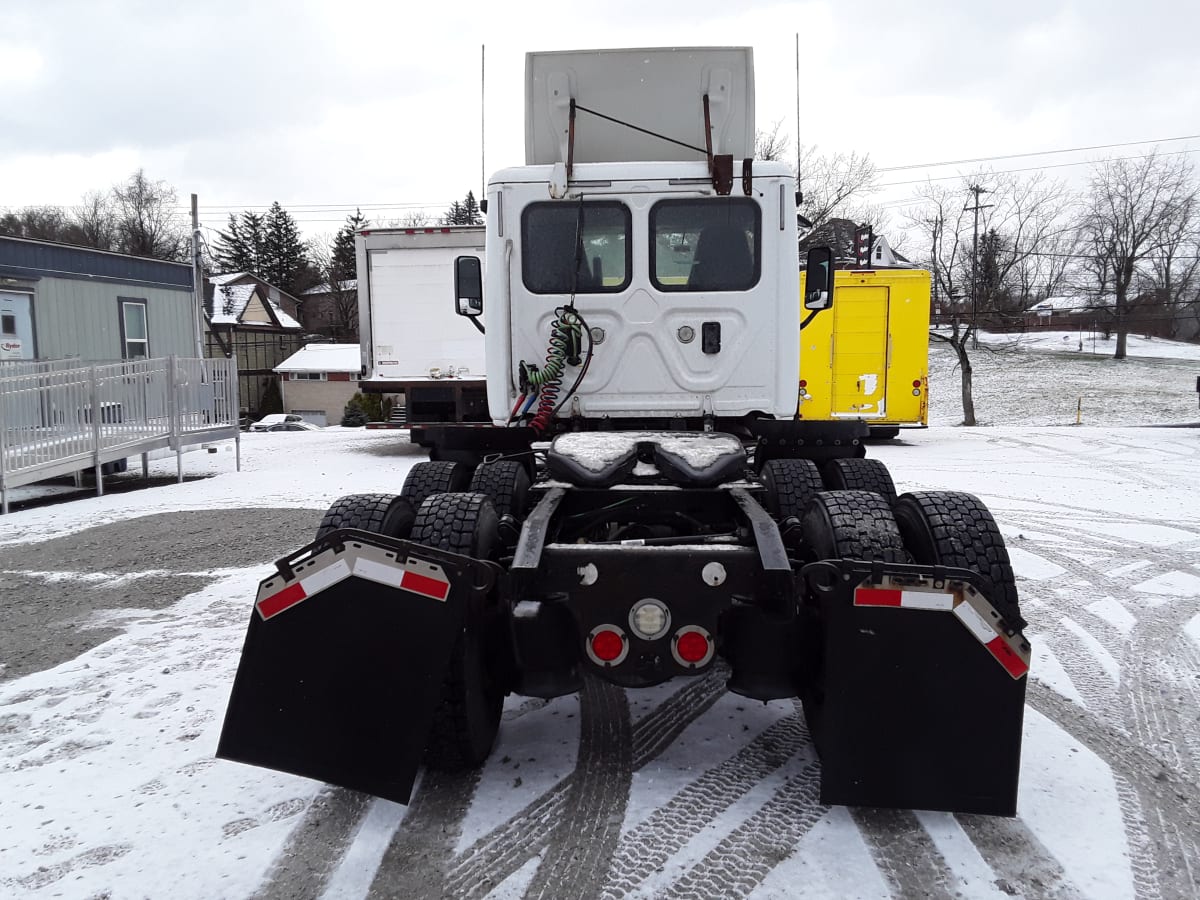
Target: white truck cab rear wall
[{"x": 645, "y": 367}]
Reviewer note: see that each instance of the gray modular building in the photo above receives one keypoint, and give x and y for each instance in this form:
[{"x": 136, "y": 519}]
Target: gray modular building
[{"x": 59, "y": 301}]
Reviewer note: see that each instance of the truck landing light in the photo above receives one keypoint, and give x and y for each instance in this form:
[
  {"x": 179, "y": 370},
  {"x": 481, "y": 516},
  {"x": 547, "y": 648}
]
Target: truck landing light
[
  {"x": 692, "y": 646},
  {"x": 649, "y": 619},
  {"x": 607, "y": 645}
]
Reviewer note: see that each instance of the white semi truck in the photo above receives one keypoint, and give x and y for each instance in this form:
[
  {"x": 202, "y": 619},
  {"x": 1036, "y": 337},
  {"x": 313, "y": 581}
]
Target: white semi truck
[
  {"x": 413, "y": 345},
  {"x": 644, "y": 503}
]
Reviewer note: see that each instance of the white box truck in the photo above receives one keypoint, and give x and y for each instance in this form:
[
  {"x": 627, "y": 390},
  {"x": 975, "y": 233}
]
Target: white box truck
[{"x": 413, "y": 344}]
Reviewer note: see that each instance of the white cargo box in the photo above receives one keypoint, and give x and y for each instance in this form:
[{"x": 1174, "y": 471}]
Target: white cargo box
[{"x": 661, "y": 90}]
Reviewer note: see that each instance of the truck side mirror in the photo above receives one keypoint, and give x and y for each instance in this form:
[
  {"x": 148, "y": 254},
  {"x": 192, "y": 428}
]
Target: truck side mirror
[
  {"x": 818, "y": 279},
  {"x": 468, "y": 286}
]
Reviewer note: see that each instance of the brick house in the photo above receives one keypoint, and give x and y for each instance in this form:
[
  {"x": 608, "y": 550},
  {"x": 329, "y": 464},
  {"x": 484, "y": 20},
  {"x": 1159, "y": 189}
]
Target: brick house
[{"x": 318, "y": 381}]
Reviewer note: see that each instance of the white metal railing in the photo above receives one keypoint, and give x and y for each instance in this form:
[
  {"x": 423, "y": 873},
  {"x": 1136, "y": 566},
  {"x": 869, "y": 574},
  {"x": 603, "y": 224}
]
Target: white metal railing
[{"x": 63, "y": 416}]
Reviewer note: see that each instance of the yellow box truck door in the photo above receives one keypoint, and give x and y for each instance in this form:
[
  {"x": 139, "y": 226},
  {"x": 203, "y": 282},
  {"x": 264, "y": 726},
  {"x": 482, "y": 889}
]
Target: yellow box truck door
[{"x": 860, "y": 351}]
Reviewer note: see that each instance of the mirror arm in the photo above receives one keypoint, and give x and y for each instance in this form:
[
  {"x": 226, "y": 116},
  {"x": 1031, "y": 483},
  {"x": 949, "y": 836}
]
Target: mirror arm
[{"x": 475, "y": 322}]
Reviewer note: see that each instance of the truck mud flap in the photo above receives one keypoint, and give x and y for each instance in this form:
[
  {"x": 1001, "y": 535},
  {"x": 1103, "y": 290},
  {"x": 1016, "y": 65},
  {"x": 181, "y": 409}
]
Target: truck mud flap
[
  {"x": 344, "y": 660},
  {"x": 915, "y": 693}
]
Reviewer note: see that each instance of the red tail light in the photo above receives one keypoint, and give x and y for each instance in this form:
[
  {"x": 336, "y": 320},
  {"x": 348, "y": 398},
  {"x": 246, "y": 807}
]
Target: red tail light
[
  {"x": 692, "y": 646},
  {"x": 607, "y": 645}
]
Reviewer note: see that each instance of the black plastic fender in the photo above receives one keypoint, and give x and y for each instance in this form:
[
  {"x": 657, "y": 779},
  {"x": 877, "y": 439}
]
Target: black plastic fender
[
  {"x": 344, "y": 658},
  {"x": 915, "y": 690}
]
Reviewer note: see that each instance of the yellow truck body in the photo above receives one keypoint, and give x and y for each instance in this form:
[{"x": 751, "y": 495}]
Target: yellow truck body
[{"x": 868, "y": 357}]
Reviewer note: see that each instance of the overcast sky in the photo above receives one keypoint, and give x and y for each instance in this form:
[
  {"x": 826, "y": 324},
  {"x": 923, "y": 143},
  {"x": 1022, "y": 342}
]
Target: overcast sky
[{"x": 323, "y": 104}]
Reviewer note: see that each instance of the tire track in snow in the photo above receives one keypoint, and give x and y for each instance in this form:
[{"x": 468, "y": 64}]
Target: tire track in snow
[
  {"x": 1156, "y": 642},
  {"x": 581, "y": 847},
  {"x": 1164, "y": 800},
  {"x": 1021, "y": 862},
  {"x": 415, "y": 861},
  {"x": 502, "y": 851},
  {"x": 740, "y": 862},
  {"x": 904, "y": 852},
  {"x": 1140, "y": 716},
  {"x": 647, "y": 847},
  {"x": 315, "y": 845}
]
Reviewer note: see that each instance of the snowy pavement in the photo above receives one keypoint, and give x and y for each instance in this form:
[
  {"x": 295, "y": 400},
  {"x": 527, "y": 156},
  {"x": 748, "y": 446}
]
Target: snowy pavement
[{"x": 125, "y": 616}]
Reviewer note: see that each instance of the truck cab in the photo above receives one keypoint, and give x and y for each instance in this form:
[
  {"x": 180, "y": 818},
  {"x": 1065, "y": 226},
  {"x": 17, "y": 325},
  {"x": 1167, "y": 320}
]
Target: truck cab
[{"x": 690, "y": 299}]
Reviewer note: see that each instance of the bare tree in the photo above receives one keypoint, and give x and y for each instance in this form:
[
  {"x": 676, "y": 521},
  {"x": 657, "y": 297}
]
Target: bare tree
[
  {"x": 946, "y": 230},
  {"x": 1030, "y": 216},
  {"x": 148, "y": 221},
  {"x": 1022, "y": 230},
  {"x": 830, "y": 183},
  {"x": 336, "y": 306},
  {"x": 1130, "y": 211},
  {"x": 769, "y": 143},
  {"x": 39, "y": 223},
  {"x": 96, "y": 220},
  {"x": 1175, "y": 268}
]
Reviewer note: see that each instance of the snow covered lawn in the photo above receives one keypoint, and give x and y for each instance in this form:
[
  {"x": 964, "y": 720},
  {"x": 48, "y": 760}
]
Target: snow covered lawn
[{"x": 109, "y": 788}]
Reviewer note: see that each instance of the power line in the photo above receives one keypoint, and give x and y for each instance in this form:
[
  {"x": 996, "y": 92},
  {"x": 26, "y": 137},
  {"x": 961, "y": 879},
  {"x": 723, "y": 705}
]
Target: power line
[
  {"x": 1081, "y": 162},
  {"x": 959, "y": 162}
]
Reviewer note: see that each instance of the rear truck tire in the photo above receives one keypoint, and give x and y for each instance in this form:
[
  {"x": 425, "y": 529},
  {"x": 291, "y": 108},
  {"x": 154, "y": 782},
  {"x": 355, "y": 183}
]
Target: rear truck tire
[
  {"x": 384, "y": 514},
  {"x": 852, "y": 524},
  {"x": 467, "y": 717},
  {"x": 860, "y": 474},
  {"x": 951, "y": 528},
  {"x": 506, "y": 483},
  {"x": 840, "y": 525},
  {"x": 790, "y": 484},
  {"x": 435, "y": 477}
]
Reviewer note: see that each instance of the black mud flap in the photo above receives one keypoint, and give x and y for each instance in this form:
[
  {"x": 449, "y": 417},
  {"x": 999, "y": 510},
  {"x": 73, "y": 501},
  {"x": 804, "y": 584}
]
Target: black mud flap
[
  {"x": 344, "y": 660},
  {"x": 916, "y": 692}
]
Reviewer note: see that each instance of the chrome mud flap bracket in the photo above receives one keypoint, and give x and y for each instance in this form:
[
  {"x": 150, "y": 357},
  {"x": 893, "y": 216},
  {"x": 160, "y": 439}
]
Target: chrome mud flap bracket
[
  {"x": 344, "y": 660},
  {"x": 915, "y": 688}
]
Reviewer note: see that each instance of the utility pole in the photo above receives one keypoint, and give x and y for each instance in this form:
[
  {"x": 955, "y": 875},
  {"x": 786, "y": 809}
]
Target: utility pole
[
  {"x": 976, "y": 190},
  {"x": 197, "y": 278}
]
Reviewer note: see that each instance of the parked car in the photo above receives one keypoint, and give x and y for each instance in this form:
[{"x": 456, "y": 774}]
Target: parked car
[
  {"x": 295, "y": 426},
  {"x": 267, "y": 422}
]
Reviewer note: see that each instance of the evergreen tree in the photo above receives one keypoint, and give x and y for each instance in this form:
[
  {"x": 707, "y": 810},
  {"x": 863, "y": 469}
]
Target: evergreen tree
[
  {"x": 453, "y": 215},
  {"x": 241, "y": 247},
  {"x": 464, "y": 213},
  {"x": 345, "y": 265},
  {"x": 470, "y": 211},
  {"x": 285, "y": 260}
]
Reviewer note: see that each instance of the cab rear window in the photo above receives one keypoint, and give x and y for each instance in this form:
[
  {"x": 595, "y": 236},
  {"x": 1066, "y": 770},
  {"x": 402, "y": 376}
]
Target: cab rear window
[
  {"x": 705, "y": 245},
  {"x": 568, "y": 246}
]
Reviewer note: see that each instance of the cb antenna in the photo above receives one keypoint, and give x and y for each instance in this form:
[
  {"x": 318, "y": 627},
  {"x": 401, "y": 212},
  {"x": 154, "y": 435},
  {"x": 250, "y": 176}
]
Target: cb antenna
[
  {"x": 799, "y": 184},
  {"x": 483, "y": 113}
]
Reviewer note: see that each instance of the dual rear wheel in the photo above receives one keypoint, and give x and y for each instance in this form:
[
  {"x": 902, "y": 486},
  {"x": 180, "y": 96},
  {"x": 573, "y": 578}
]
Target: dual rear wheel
[
  {"x": 849, "y": 509},
  {"x": 436, "y": 509}
]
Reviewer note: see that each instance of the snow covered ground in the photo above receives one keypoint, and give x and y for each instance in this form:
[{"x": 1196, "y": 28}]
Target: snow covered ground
[{"x": 124, "y": 617}]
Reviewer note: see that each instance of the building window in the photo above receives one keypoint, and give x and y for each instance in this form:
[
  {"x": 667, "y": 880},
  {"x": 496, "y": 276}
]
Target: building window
[
  {"x": 135, "y": 333},
  {"x": 8, "y": 325},
  {"x": 309, "y": 376}
]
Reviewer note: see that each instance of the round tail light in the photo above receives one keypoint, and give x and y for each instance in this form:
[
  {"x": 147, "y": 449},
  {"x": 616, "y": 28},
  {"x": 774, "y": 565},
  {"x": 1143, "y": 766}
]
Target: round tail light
[
  {"x": 692, "y": 646},
  {"x": 607, "y": 645}
]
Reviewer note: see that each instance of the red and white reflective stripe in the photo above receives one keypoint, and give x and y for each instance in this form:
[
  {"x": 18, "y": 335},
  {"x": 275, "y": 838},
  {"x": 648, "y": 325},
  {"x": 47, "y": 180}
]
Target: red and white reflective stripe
[
  {"x": 870, "y": 596},
  {"x": 416, "y": 576},
  {"x": 996, "y": 643},
  {"x": 1010, "y": 652},
  {"x": 314, "y": 583}
]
